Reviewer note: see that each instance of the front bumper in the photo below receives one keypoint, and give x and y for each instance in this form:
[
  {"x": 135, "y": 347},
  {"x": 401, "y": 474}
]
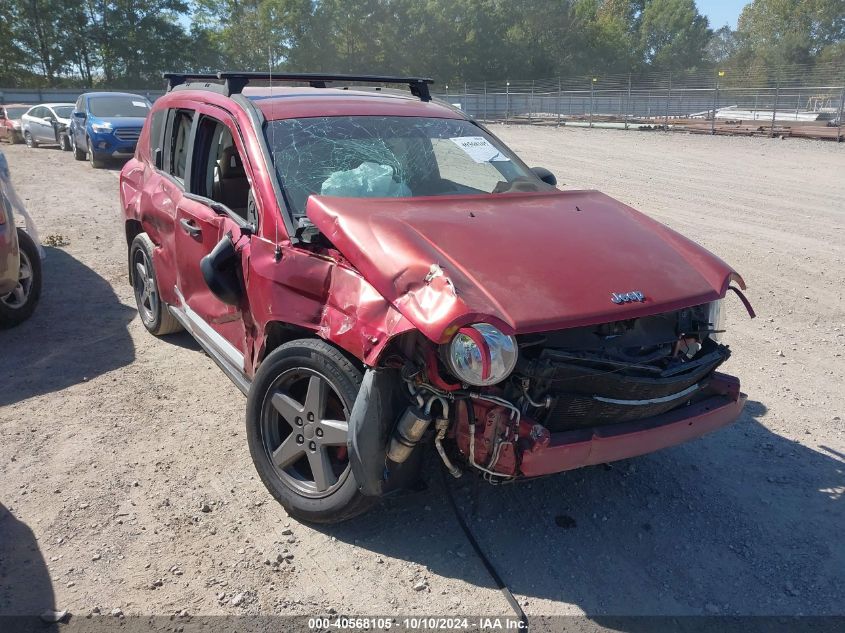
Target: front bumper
[
  {"x": 109, "y": 145},
  {"x": 598, "y": 445}
]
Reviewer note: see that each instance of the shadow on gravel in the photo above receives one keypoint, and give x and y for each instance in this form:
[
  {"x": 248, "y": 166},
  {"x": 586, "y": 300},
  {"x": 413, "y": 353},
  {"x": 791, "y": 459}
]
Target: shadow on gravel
[
  {"x": 78, "y": 331},
  {"x": 25, "y": 586},
  {"x": 741, "y": 522}
]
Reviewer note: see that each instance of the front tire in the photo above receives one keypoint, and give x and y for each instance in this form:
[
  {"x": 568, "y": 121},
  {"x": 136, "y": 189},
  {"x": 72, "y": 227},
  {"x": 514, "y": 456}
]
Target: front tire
[
  {"x": 297, "y": 428},
  {"x": 96, "y": 163},
  {"x": 78, "y": 154},
  {"x": 154, "y": 312},
  {"x": 30, "y": 141},
  {"x": 64, "y": 143},
  {"x": 17, "y": 306}
]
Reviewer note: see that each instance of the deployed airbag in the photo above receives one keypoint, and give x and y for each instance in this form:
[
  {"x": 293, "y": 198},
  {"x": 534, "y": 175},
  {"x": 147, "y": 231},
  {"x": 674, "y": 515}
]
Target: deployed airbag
[{"x": 368, "y": 180}]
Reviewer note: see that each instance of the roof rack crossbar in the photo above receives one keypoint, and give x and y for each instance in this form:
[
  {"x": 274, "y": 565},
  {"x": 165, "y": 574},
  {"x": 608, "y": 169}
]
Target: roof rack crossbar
[
  {"x": 177, "y": 79},
  {"x": 235, "y": 82}
]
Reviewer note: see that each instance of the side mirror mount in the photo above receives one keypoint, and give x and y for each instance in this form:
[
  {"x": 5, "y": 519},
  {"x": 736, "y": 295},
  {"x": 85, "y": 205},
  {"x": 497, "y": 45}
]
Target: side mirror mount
[{"x": 545, "y": 175}]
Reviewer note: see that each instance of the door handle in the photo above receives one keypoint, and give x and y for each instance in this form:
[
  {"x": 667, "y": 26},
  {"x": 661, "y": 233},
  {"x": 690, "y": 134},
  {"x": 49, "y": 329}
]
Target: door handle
[{"x": 189, "y": 227}]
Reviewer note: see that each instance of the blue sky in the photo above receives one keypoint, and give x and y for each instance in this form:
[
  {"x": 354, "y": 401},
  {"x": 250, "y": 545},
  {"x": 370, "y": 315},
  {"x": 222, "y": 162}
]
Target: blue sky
[{"x": 720, "y": 12}]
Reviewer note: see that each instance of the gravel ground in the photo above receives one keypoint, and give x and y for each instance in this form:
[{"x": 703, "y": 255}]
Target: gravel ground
[{"x": 125, "y": 480}]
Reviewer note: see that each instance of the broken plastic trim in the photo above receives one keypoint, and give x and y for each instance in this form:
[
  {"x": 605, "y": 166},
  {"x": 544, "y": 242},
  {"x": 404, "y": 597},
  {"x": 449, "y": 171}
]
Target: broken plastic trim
[
  {"x": 744, "y": 300},
  {"x": 635, "y": 403}
]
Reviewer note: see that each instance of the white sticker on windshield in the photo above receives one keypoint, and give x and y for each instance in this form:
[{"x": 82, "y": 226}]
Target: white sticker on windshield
[
  {"x": 479, "y": 149},
  {"x": 140, "y": 104}
]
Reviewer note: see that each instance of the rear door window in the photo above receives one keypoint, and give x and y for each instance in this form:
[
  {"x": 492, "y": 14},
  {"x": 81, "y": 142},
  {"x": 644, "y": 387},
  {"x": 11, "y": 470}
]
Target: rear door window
[
  {"x": 178, "y": 137},
  {"x": 157, "y": 121}
]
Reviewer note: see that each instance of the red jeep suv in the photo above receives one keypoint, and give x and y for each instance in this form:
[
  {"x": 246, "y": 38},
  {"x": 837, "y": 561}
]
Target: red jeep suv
[{"x": 377, "y": 272}]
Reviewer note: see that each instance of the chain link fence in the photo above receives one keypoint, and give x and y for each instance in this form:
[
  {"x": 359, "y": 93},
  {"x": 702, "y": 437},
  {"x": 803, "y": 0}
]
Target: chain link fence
[
  {"x": 794, "y": 101},
  {"x": 766, "y": 101}
]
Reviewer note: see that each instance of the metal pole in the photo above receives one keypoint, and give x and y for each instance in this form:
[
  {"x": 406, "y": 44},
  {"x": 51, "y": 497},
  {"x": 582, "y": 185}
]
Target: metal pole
[
  {"x": 756, "y": 95},
  {"x": 668, "y": 99},
  {"x": 715, "y": 105},
  {"x": 797, "y": 104},
  {"x": 591, "y": 100},
  {"x": 531, "y": 107},
  {"x": 485, "y": 100},
  {"x": 775, "y": 108},
  {"x": 507, "y": 101},
  {"x": 628, "y": 101},
  {"x": 557, "y": 106},
  {"x": 839, "y": 118}
]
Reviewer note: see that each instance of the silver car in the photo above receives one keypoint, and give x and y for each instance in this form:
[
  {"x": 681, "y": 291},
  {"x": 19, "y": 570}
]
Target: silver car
[{"x": 47, "y": 124}]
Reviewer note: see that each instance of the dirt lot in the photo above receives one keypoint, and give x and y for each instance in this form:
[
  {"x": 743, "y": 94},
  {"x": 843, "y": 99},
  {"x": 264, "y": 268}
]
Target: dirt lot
[{"x": 113, "y": 440}]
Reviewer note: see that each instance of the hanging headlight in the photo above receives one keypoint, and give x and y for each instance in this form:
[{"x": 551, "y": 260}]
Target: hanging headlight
[
  {"x": 716, "y": 318},
  {"x": 481, "y": 355}
]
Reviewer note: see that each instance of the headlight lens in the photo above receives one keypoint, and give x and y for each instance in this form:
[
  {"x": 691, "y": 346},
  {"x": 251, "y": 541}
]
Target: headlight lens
[
  {"x": 481, "y": 355},
  {"x": 101, "y": 127},
  {"x": 716, "y": 318}
]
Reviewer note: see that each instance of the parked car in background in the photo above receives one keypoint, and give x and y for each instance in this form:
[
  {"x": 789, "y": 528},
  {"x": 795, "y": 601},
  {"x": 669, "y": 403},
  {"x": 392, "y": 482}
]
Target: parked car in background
[
  {"x": 377, "y": 271},
  {"x": 20, "y": 256},
  {"x": 47, "y": 124},
  {"x": 10, "y": 122},
  {"x": 107, "y": 125}
]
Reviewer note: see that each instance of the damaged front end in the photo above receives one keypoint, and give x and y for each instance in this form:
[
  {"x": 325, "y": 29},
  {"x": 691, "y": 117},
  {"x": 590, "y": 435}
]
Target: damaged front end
[{"x": 511, "y": 407}]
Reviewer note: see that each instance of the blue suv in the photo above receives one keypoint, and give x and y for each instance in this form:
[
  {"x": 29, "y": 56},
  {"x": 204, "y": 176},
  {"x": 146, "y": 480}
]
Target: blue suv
[{"x": 107, "y": 125}]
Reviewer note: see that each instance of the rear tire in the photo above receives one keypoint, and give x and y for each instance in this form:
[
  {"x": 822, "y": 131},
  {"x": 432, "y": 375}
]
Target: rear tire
[
  {"x": 297, "y": 424},
  {"x": 154, "y": 313},
  {"x": 17, "y": 306}
]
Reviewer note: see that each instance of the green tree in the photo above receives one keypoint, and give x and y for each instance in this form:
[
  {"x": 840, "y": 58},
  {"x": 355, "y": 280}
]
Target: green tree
[
  {"x": 723, "y": 45},
  {"x": 673, "y": 34},
  {"x": 245, "y": 33},
  {"x": 37, "y": 32},
  {"x": 791, "y": 31}
]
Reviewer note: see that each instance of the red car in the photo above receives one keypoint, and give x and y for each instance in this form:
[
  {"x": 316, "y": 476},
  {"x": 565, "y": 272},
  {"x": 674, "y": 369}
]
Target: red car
[
  {"x": 10, "y": 122},
  {"x": 376, "y": 272}
]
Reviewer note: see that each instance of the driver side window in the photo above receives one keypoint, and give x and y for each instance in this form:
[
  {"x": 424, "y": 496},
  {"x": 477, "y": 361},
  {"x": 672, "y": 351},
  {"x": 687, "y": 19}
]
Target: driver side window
[{"x": 218, "y": 172}]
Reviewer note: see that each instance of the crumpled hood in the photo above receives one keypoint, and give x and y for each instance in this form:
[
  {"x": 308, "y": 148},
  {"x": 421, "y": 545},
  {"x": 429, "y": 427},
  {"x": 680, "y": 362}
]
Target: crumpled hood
[{"x": 526, "y": 262}]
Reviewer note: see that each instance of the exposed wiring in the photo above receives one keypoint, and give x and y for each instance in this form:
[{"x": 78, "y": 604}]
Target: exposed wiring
[{"x": 488, "y": 565}]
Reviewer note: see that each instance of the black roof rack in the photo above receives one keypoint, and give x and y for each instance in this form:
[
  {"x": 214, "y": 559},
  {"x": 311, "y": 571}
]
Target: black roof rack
[
  {"x": 235, "y": 82},
  {"x": 177, "y": 79}
]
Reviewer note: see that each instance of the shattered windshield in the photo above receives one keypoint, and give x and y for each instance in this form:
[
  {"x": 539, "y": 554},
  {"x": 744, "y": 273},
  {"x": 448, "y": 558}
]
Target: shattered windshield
[{"x": 389, "y": 156}]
